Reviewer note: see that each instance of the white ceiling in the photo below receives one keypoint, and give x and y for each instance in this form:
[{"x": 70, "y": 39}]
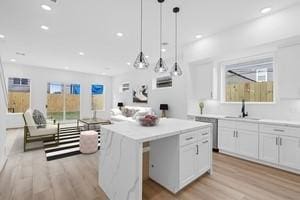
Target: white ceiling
[{"x": 90, "y": 26}]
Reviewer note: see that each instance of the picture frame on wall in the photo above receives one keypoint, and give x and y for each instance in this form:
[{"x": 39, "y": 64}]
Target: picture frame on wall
[{"x": 140, "y": 95}]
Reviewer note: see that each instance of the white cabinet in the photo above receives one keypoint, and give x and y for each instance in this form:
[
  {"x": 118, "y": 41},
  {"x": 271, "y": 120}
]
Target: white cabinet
[
  {"x": 203, "y": 158},
  {"x": 188, "y": 163},
  {"x": 227, "y": 139},
  {"x": 201, "y": 80},
  {"x": 288, "y": 62},
  {"x": 273, "y": 144},
  {"x": 241, "y": 138},
  {"x": 289, "y": 152},
  {"x": 279, "y": 146},
  {"x": 268, "y": 148},
  {"x": 247, "y": 143},
  {"x": 177, "y": 161},
  {"x": 194, "y": 157}
]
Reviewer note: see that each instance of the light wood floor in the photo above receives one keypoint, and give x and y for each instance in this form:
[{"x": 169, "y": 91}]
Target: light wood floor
[{"x": 29, "y": 176}]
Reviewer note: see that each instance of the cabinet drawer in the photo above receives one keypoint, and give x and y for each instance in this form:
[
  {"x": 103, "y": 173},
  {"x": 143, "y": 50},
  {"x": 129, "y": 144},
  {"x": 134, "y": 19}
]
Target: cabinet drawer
[
  {"x": 188, "y": 138},
  {"x": 247, "y": 126},
  {"x": 203, "y": 134},
  {"x": 280, "y": 130},
  {"x": 226, "y": 123}
]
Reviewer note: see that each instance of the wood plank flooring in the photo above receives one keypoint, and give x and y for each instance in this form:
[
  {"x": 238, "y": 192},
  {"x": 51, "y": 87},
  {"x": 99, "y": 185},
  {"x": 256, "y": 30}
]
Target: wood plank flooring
[{"x": 29, "y": 176}]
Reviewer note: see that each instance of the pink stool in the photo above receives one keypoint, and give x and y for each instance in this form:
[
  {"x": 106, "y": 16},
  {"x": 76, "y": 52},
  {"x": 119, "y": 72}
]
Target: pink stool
[{"x": 88, "y": 142}]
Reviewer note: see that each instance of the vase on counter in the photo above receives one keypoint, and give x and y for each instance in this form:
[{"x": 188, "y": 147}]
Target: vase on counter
[{"x": 201, "y": 106}]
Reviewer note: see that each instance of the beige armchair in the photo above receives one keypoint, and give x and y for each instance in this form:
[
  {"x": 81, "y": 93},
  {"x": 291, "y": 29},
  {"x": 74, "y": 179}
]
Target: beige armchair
[{"x": 33, "y": 133}]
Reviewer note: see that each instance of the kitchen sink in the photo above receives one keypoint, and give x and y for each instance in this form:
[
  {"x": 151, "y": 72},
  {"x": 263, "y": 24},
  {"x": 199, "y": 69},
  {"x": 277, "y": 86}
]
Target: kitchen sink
[{"x": 246, "y": 118}]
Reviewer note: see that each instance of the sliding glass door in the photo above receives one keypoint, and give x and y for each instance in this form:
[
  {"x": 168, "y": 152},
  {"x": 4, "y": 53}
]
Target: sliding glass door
[
  {"x": 72, "y": 101},
  {"x": 63, "y": 101}
]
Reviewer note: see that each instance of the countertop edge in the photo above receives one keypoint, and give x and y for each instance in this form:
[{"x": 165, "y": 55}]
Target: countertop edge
[{"x": 260, "y": 121}]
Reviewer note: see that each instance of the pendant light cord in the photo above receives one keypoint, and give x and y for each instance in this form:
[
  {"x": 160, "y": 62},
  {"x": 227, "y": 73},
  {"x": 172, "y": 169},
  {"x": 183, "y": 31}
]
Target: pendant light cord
[
  {"x": 141, "y": 42},
  {"x": 176, "y": 37},
  {"x": 160, "y": 35}
]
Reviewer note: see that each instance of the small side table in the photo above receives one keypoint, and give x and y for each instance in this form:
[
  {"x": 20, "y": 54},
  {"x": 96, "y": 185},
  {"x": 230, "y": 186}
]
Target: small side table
[{"x": 90, "y": 121}]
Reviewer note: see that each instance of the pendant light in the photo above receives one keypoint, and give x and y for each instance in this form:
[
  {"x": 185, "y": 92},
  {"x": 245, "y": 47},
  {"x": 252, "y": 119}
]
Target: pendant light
[
  {"x": 176, "y": 71},
  {"x": 141, "y": 62},
  {"x": 160, "y": 65}
]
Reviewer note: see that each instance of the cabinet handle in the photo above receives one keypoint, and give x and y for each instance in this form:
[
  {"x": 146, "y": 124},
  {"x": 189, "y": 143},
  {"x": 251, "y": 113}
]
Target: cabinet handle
[
  {"x": 204, "y": 133},
  {"x": 276, "y": 140},
  {"x": 206, "y": 141},
  {"x": 237, "y": 134},
  {"x": 233, "y": 133},
  {"x": 278, "y": 130},
  {"x": 190, "y": 138},
  {"x": 280, "y": 141},
  {"x": 197, "y": 146}
]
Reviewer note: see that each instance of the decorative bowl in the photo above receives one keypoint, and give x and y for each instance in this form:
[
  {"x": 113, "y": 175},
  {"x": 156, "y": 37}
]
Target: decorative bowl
[{"x": 148, "y": 120}]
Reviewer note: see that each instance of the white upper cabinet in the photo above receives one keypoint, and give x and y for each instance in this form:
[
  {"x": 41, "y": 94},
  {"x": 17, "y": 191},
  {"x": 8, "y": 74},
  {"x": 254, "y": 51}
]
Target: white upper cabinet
[
  {"x": 201, "y": 80},
  {"x": 288, "y": 63}
]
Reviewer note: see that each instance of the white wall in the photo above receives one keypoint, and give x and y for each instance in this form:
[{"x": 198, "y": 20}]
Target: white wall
[
  {"x": 175, "y": 97},
  {"x": 263, "y": 35},
  {"x": 2, "y": 126},
  {"x": 39, "y": 78}
]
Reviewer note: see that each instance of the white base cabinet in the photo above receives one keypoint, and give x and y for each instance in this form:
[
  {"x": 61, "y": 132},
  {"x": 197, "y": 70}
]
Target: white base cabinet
[
  {"x": 190, "y": 151},
  {"x": 275, "y": 145},
  {"x": 268, "y": 148},
  {"x": 240, "y": 138}
]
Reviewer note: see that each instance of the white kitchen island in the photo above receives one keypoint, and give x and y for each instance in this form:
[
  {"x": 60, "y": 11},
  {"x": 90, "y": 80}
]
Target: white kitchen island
[{"x": 180, "y": 152}]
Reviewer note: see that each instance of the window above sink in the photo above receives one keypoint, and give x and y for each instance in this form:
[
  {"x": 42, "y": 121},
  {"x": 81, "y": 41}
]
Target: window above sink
[{"x": 250, "y": 79}]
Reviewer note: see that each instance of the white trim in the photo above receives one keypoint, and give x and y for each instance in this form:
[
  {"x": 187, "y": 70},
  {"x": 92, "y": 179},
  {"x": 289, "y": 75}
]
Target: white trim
[{"x": 277, "y": 166}]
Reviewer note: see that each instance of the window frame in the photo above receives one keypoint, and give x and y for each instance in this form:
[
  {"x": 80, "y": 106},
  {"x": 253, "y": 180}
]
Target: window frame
[
  {"x": 30, "y": 89},
  {"x": 223, "y": 65}
]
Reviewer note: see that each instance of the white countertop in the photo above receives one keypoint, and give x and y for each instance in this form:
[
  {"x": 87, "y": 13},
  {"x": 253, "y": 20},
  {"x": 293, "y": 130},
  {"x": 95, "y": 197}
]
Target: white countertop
[
  {"x": 260, "y": 121},
  {"x": 165, "y": 128}
]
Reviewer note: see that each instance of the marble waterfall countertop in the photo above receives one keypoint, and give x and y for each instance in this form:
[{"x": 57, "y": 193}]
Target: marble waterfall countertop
[
  {"x": 121, "y": 154},
  {"x": 166, "y": 127}
]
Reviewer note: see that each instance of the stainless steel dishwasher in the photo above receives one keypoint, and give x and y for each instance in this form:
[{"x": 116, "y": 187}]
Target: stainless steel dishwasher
[{"x": 214, "y": 122}]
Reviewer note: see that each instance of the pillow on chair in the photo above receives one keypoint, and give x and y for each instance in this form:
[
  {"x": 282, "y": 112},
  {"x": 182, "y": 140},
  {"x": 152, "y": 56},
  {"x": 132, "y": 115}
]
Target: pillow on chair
[{"x": 39, "y": 119}]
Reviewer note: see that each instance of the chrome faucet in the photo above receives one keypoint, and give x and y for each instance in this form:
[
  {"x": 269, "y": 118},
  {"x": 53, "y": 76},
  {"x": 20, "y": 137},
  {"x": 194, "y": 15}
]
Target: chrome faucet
[{"x": 244, "y": 113}]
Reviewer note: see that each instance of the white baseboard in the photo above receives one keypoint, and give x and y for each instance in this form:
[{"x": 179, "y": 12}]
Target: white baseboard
[{"x": 261, "y": 162}]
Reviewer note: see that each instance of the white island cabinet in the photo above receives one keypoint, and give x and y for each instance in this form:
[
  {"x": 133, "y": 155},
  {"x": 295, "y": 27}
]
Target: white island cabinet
[{"x": 180, "y": 152}]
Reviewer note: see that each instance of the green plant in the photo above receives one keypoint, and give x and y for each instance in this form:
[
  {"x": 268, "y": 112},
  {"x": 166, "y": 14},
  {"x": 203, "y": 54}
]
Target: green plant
[{"x": 201, "y": 106}]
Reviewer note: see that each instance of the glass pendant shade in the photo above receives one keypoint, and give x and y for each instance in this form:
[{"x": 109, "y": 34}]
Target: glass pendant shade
[
  {"x": 141, "y": 62},
  {"x": 161, "y": 66},
  {"x": 176, "y": 70}
]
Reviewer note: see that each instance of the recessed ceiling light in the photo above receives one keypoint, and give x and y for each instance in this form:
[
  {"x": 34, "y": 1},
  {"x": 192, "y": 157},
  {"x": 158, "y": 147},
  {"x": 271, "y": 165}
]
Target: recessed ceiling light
[
  {"x": 163, "y": 50},
  {"x": 198, "y": 36},
  {"x": 120, "y": 34},
  {"x": 2, "y": 36},
  {"x": 67, "y": 67},
  {"x": 146, "y": 56},
  {"x": 265, "y": 10},
  {"x": 44, "y": 27},
  {"x": 81, "y": 53},
  {"x": 12, "y": 60},
  {"x": 46, "y": 7},
  {"x": 103, "y": 73},
  {"x": 128, "y": 63}
]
